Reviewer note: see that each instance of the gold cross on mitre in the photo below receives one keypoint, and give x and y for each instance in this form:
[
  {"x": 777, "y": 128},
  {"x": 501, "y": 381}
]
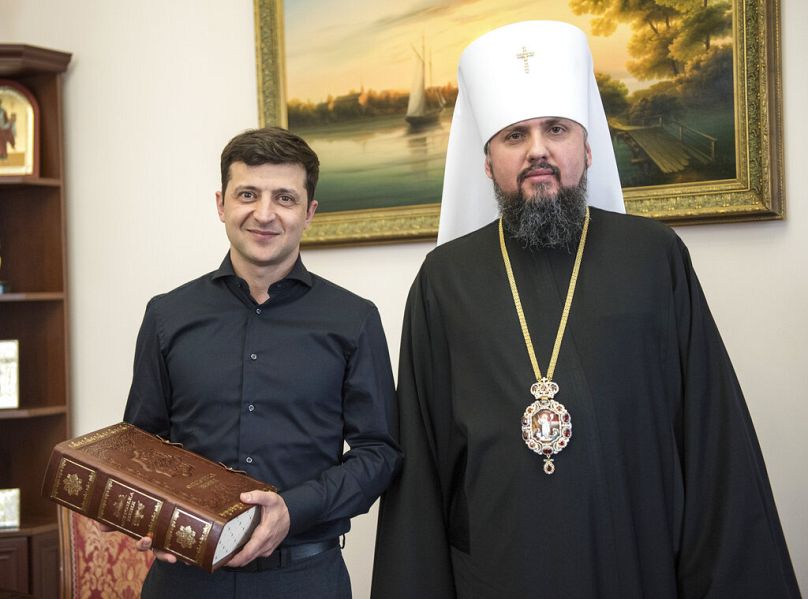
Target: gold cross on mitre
[{"x": 524, "y": 55}]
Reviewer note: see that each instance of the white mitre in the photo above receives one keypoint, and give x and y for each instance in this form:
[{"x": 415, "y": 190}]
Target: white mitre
[{"x": 521, "y": 71}]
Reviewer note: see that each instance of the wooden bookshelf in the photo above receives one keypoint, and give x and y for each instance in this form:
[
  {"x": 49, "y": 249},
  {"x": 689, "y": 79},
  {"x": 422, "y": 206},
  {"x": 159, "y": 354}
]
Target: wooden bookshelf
[{"x": 34, "y": 311}]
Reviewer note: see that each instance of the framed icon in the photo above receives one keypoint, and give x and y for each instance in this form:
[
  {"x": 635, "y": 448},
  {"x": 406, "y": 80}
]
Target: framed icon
[
  {"x": 9, "y": 508},
  {"x": 19, "y": 131},
  {"x": 9, "y": 373}
]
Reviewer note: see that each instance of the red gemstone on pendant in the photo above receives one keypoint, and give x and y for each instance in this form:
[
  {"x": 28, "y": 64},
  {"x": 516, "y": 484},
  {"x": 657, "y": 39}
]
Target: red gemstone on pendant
[
  {"x": 562, "y": 443},
  {"x": 567, "y": 432},
  {"x": 547, "y": 451},
  {"x": 566, "y": 418}
]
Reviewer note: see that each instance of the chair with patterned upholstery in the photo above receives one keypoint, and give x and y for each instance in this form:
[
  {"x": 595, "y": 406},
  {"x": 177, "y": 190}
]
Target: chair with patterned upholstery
[{"x": 98, "y": 565}]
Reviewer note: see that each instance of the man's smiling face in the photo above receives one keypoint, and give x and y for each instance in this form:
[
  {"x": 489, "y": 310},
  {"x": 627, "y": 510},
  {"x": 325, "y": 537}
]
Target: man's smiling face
[{"x": 265, "y": 210}]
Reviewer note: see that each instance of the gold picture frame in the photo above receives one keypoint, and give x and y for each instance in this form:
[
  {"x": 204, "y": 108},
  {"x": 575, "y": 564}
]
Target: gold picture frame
[
  {"x": 19, "y": 131},
  {"x": 756, "y": 192}
]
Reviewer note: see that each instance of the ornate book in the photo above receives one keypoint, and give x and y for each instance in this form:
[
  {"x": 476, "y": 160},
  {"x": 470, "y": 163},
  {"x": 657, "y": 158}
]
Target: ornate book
[{"x": 143, "y": 486}]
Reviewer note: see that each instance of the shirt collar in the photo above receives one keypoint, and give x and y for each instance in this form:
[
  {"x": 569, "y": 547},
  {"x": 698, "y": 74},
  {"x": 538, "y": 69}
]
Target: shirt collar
[{"x": 298, "y": 272}]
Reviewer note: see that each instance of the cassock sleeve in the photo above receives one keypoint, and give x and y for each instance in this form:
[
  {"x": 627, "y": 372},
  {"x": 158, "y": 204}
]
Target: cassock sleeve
[
  {"x": 732, "y": 544},
  {"x": 412, "y": 546}
]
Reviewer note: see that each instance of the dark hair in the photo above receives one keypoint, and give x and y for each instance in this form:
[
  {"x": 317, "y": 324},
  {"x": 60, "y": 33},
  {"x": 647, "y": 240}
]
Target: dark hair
[{"x": 271, "y": 145}]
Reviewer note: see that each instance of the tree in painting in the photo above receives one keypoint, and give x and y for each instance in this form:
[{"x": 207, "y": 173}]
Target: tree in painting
[{"x": 680, "y": 128}]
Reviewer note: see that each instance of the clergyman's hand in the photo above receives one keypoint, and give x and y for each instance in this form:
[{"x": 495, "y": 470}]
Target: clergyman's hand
[{"x": 269, "y": 533}]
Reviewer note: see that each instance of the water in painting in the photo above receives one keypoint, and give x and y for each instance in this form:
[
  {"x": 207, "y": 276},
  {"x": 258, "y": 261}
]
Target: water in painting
[{"x": 372, "y": 86}]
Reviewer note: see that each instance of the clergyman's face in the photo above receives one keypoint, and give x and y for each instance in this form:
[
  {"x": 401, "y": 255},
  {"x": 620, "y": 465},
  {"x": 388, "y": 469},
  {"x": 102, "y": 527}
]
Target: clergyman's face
[
  {"x": 538, "y": 156},
  {"x": 265, "y": 210}
]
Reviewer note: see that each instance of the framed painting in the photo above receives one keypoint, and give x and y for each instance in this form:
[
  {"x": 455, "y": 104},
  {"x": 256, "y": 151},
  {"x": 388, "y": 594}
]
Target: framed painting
[
  {"x": 691, "y": 89},
  {"x": 19, "y": 130}
]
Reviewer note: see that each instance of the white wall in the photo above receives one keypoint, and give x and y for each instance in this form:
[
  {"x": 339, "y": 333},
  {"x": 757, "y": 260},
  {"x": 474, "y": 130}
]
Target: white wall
[{"x": 154, "y": 91}]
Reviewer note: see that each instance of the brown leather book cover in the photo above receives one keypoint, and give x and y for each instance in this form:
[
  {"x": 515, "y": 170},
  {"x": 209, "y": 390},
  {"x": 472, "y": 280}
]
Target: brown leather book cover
[{"x": 143, "y": 486}]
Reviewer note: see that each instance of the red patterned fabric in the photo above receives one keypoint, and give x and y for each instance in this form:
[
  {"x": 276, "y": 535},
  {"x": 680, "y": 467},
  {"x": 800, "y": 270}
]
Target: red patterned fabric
[{"x": 99, "y": 565}]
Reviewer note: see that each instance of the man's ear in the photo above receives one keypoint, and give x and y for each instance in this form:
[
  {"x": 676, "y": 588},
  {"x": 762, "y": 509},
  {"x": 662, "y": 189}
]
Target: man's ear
[
  {"x": 487, "y": 165},
  {"x": 220, "y": 205},
  {"x": 310, "y": 210},
  {"x": 588, "y": 154}
]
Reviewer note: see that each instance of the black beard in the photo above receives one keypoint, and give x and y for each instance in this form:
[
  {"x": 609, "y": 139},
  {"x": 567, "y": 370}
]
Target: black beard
[{"x": 544, "y": 221}]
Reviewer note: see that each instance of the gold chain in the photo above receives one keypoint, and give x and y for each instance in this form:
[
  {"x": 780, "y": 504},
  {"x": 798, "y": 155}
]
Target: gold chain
[{"x": 567, "y": 304}]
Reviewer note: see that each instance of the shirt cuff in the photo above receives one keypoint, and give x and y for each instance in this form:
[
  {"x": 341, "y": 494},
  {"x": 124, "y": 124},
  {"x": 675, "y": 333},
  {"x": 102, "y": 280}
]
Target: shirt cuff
[{"x": 303, "y": 504}]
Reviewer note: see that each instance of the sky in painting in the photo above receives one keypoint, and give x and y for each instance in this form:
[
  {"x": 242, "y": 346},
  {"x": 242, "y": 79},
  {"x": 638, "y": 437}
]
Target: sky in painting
[{"x": 336, "y": 46}]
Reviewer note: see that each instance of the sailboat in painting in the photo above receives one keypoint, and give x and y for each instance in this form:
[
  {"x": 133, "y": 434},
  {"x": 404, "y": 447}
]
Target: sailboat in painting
[{"x": 419, "y": 112}]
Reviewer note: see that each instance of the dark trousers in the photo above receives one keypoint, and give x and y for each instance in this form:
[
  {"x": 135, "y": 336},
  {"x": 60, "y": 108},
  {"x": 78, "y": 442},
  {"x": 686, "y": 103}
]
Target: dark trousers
[{"x": 323, "y": 576}]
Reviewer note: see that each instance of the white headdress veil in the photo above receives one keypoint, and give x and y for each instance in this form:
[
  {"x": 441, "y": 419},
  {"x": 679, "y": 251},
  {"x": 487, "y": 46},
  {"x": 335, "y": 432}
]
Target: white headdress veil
[{"x": 517, "y": 72}]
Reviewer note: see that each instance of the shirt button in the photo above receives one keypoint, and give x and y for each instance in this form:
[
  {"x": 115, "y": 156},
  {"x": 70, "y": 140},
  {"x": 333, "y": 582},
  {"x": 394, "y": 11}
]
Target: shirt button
[
  {"x": 253, "y": 356},
  {"x": 248, "y": 460},
  {"x": 251, "y": 408},
  {"x": 258, "y": 310}
]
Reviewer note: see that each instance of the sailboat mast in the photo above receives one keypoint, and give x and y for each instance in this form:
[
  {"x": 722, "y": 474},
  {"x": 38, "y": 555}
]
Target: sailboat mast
[
  {"x": 430, "y": 67},
  {"x": 418, "y": 114},
  {"x": 423, "y": 54},
  {"x": 416, "y": 106}
]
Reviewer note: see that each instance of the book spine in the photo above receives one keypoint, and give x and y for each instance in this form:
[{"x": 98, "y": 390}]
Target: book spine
[{"x": 137, "y": 510}]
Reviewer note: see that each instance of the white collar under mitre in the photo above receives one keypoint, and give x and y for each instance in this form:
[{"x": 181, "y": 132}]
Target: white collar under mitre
[{"x": 518, "y": 72}]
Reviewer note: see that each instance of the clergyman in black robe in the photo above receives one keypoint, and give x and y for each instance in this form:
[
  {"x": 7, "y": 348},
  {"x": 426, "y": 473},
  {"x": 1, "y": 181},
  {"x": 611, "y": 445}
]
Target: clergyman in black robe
[{"x": 661, "y": 493}]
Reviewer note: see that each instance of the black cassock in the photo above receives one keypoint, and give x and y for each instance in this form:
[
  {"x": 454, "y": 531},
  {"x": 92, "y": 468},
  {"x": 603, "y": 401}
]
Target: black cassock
[{"x": 662, "y": 491}]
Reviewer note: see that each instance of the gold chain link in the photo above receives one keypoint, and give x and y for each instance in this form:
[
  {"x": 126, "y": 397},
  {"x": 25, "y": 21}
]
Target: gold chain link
[{"x": 567, "y": 304}]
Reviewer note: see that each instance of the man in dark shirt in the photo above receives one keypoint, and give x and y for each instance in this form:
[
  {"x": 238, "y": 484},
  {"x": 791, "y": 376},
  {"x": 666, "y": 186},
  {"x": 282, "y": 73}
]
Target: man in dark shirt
[{"x": 270, "y": 369}]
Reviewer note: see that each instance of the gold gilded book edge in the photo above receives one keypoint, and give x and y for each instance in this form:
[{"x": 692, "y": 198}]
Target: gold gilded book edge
[
  {"x": 97, "y": 436},
  {"x": 232, "y": 510}
]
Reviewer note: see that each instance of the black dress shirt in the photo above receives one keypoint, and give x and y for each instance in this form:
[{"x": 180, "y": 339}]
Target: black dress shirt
[{"x": 274, "y": 390}]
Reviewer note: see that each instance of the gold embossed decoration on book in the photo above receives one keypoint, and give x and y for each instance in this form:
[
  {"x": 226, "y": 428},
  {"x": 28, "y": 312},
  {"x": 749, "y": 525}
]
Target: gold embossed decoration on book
[{"x": 144, "y": 486}]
